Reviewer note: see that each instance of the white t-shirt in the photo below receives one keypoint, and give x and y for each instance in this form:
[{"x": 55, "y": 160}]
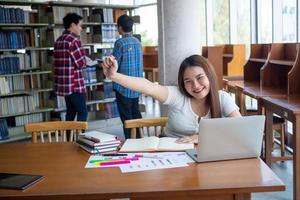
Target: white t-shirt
[{"x": 182, "y": 119}]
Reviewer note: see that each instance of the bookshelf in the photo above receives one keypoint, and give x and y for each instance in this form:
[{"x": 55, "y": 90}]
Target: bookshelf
[
  {"x": 25, "y": 68},
  {"x": 30, "y": 85},
  {"x": 150, "y": 62},
  {"x": 282, "y": 68}
]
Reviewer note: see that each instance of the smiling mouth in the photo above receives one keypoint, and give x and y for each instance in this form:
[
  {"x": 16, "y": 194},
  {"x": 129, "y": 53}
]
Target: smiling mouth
[{"x": 198, "y": 91}]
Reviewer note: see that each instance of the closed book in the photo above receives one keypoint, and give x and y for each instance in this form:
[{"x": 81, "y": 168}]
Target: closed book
[
  {"x": 98, "y": 136},
  {"x": 91, "y": 143},
  {"x": 18, "y": 181},
  {"x": 94, "y": 151}
]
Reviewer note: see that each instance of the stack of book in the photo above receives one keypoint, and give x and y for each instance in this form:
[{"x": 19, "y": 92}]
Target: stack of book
[{"x": 98, "y": 142}]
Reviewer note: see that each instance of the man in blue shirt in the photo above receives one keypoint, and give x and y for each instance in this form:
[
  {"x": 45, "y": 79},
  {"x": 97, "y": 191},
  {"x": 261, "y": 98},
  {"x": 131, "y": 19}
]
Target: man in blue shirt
[{"x": 128, "y": 53}]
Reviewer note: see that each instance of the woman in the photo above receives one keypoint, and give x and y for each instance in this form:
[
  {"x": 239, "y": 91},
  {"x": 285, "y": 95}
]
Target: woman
[{"x": 196, "y": 96}]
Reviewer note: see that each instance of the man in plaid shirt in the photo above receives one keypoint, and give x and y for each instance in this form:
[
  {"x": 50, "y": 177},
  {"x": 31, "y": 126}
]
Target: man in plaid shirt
[
  {"x": 69, "y": 61},
  {"x": 128, "y": 53}
]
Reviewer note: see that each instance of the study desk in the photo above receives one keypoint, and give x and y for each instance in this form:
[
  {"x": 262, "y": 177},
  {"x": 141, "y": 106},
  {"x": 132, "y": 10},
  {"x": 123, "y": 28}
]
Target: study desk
[
  {"x": 287, "y": 107},
  {"x": 254, "y": 90},
  {"x": 66, "y": 178}
]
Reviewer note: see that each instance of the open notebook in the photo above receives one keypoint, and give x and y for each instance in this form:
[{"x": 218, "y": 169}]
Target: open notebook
[{"x": 154, "y": 144}]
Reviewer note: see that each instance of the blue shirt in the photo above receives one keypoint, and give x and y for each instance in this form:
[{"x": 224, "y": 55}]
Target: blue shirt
[{"x": 129, "y": 54}]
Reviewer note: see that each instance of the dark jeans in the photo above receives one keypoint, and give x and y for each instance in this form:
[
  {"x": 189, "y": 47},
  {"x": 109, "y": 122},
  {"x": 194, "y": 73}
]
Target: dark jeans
[
  {"x": 76, "y": 105},
  {"x": 128, "y": 109}
]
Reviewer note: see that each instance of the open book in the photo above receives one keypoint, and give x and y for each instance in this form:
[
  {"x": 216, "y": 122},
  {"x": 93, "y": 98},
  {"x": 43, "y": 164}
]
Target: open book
[{"x": 154, "y": 144}]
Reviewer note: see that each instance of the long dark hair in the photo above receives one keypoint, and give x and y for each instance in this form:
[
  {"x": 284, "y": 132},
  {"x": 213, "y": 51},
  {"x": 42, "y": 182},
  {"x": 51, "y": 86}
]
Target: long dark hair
[{"x": 213, "y": 96}]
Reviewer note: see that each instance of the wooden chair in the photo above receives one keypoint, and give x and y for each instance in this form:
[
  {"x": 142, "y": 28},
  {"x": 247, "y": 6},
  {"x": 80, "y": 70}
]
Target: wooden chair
[
  {"x": 39, "y": 129},
  {"x": 147, "y": 123}
]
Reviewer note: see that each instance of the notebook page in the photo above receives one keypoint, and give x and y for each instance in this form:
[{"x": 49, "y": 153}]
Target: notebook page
[
  {"x": 142, "y": 144},
  {"x": 169, "y": 144}
]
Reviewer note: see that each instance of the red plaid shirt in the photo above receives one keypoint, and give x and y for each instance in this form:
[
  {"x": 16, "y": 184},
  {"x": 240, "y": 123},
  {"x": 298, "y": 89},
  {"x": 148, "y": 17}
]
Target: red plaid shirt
[{"x": 69, "y": 60}]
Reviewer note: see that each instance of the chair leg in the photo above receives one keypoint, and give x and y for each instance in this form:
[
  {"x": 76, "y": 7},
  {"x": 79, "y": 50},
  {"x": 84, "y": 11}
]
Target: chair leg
[
  {"x": 273, "y": 140},
  {"x": 282, "y": 137}
]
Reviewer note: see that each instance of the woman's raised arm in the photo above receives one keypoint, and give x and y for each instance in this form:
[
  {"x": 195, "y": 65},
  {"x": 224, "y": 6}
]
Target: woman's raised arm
[{"x": 110, "y": 68}]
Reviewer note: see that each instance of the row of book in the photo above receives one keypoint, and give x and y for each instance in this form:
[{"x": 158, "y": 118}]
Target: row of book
[
  {"x": 14, "y": 63},
  {"x": 26, "y": 119},
  {"x": 16, "y": 83},
  {"x": 3, "y": 129},
  {"x": 18, "y": 104},
  {"x": 60, "y": 12},
  {"x": 105, "y": 33},
  {"x": 98, "y": 142},
  {"x": 12, "y": 39},
  {"x": 109, "y": 33},
  {"x": 11, "y": 15},
  {"x": 9, "y": 65}
]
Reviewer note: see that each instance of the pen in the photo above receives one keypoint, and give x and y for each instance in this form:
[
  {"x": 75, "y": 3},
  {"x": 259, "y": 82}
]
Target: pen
[
  {"x": 115, "y": 162},
  {"x": 143, "y": 156},
  {"x": 115, "y": 154}
]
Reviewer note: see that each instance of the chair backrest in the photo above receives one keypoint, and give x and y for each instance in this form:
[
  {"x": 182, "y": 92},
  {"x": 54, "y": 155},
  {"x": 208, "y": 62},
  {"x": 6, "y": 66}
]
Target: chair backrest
[
  {"x": 147, "y": 123},
  {"x": 59, "y": 129}
]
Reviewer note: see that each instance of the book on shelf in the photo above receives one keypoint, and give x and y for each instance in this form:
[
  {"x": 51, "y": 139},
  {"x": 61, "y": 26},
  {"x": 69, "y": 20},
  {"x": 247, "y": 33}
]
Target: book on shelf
[
  {"x": 148, "y": 144},
  {"x": 4, "y": 87},
  {"x": 3, "y": 130},
  {"x": 12, "y": 15}
]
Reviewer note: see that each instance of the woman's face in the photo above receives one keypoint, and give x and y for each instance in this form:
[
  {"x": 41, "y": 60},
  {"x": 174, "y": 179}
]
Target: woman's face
[{"x": 196, "y": 82}]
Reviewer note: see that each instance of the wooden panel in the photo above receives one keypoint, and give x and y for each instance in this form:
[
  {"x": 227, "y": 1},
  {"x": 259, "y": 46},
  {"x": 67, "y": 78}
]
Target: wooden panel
[
  {"x": 150, "y": 62},
  {"x": 214, "y": 55},
  {"x": 258, "y": 57},
  {"x": 276, "y": 72},
  {"x": 293, "y": 76},
  {"x": 150, "y": 56},
  {"x": 236, "y": 65}
]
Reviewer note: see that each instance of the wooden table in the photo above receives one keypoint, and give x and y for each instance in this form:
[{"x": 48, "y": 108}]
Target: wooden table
[
  {"x": 253, "y": 89},
  {"x": 66, "y": 178},
  {"x": 289, "y": 108}
]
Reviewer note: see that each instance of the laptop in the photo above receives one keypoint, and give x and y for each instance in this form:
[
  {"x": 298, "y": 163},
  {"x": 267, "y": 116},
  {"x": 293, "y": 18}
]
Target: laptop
[{"x": 229, "y": 138}]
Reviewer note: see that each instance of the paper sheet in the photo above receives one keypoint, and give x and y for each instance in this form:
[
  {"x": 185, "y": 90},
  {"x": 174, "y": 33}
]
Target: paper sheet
[{"x": 134, "y": 162}]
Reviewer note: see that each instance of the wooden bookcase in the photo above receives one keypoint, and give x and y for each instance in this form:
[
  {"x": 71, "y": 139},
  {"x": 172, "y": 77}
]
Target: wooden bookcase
[
  {"x": 234, "y": 58},
  {"x": 41, "y": 30},
  {"x": 150, "y": 62},
  {"x": 258, "y": 57},
  {"x": 215, "y": 56},
  {"x": 282, "y": 68}
]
